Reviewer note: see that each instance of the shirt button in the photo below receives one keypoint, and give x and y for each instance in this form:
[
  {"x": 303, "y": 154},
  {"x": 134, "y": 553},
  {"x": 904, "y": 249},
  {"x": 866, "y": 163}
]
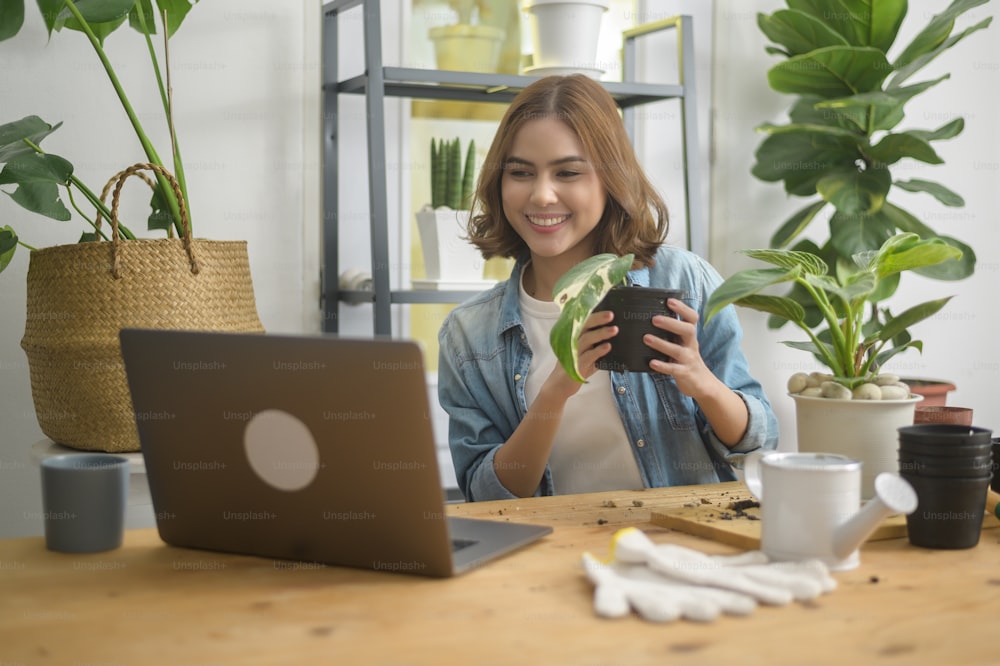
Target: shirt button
[
  {"x": 621, "y": 390},
  {"x": 641, "y": 443},
  {"x": 517, "y": 377}
]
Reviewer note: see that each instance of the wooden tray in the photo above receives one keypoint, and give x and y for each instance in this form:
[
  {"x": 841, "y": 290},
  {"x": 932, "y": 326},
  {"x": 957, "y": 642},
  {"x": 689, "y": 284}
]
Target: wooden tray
[{"x": 717, "y": 520}]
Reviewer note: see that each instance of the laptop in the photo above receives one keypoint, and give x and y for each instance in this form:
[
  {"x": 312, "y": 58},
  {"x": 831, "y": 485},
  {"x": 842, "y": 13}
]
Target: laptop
[{"x": 309, "y": 448}]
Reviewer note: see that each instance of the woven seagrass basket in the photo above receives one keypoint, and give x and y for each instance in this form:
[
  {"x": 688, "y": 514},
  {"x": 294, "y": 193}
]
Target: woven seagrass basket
[{"x": 80, "y": 296}]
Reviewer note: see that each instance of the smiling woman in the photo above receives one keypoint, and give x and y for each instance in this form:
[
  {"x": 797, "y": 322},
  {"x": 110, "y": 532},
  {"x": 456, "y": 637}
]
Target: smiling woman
[{"x": 561, "y": 185}]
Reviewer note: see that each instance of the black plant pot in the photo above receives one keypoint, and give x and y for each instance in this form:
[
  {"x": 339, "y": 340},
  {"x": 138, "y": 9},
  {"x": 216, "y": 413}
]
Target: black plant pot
[
  {"x": 949, "y": 511},
  {"x": 634, "y": 309}
]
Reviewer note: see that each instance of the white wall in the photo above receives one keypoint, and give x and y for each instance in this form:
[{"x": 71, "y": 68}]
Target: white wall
[
  {"x": 246, "y": 91},
  {"x": 959, "y": 341}
]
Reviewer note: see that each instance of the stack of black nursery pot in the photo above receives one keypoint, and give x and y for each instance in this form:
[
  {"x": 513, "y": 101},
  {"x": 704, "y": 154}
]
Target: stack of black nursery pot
[{"x": 950, "y": 467}]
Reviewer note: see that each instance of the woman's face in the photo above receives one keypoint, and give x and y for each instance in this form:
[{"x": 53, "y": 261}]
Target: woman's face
[{"x": 551, "y": 193}]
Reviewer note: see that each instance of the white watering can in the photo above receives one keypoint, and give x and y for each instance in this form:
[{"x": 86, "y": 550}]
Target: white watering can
[{"x": 811, "y": 505}]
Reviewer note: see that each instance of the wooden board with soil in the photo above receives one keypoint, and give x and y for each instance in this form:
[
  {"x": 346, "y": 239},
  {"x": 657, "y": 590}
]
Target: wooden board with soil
[{"x": 735, "y": 520}]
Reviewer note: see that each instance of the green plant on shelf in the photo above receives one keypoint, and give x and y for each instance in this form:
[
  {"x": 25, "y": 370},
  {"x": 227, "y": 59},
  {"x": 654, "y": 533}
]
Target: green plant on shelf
[{"x": 451, "y": 181}]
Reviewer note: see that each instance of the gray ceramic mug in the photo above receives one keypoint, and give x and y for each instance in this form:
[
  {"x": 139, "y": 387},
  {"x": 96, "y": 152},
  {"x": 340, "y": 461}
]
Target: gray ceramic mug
[{"x": 83, "y": 501}]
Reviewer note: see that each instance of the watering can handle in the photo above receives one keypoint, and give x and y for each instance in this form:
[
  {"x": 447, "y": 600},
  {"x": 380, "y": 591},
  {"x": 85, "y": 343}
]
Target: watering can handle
[{"x": 751, "y": 473}]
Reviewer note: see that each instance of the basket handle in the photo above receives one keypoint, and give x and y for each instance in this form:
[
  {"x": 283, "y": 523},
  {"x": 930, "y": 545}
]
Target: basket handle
[{"x": 118, "y": 181}]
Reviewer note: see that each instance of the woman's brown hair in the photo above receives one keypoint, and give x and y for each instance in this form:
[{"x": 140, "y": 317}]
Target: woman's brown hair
[{"x": 635, "y": 218}]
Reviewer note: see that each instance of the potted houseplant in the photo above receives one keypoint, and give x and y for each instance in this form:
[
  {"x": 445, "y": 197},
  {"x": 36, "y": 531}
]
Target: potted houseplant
[
  {"x": 80, "y": 295},
  {"x": 844, "y": 145},
  {"x": 835, "y": 411},
  {"x": 468, "y": 45},
  {"x": 598, "y": 283},
  {"x": 449, "y": 259}
]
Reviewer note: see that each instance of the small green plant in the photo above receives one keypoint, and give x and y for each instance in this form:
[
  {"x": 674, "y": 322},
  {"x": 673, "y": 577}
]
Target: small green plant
[
  {"x": 578, "y": 292},
  {"x": 39, "y": 175},
  {"x": 451, "y": 182},
  {"x": 853, "y": 349}
]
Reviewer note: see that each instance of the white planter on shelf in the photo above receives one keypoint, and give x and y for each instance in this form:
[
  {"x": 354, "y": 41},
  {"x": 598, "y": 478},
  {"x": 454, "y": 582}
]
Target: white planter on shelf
[
  {"x": 467, "y": 48},
  {"x": 448, "y": 257},
  {"x": 865, "y": 430},
  {"x": 564, "y": 33}
]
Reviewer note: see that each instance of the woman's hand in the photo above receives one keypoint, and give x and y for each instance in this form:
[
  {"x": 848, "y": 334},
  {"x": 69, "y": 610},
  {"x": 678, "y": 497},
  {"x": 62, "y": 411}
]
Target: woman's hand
[
  {"x": 687, "y": 367},
  {"x": 593, "y": 344},
  {"x": 724, "y": 409}
]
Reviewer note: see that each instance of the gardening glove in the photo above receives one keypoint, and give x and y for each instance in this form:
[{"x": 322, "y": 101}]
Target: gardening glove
[
  {"x": 750, "y": 573},
  {"x": 619, "y": 586}
]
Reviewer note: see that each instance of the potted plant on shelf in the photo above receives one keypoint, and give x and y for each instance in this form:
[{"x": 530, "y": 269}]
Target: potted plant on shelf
[
  {"x": 469, "y": 45},
  {"x": 79, "y": 296},
  {"x": 843, "y": 146},
  {"x": 853, "y": 410},
  {"x": 564, "y": 36},
  {"x": 450, "y": 261}
]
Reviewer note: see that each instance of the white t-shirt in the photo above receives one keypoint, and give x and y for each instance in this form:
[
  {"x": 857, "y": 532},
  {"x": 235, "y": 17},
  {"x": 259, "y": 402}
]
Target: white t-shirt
[{"x": 591, "y": 451}]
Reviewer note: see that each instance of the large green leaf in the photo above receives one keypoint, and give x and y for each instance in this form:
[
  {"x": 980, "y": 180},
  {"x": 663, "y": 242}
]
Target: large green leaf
[
  {"x": 832, "y": 71},
  {"x": 957, "y": 268},
  {"x": 796, "y": 224},
  {"x": 936, "y": 32},
  {"x": 850, "y": 234},
  {"x": 918, "y": 63},
  {"x": 177, "y": 11},
  {"x": 38, "y": 178},
  {"x": 949, "y": 130},
  {"x": 805, "y": 263},
  {"x": 12, "y": 136},
  {"x": 11, "y": 20},
  {"x": 878, "y": 110},
  {"x": 898, "y": 145},
  {"x": 798, "y": 32},
  {"x": 898, "y": 325},
  {"x": 102, "y": 16},
  {"x": 8, "y": 244},
  {"x": 577, "y": 293},
  {"x": 938, "y": 191},
  {"x": 853, "y": 190},
  {"x": 745, "y": 284},
  {"x": 906, "y": 252},
  {"x": 860, "y": 22},
  {"x": 800, "y": 155}
]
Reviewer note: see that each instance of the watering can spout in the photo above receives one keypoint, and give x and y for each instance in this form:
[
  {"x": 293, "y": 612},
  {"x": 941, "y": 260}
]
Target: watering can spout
[{"x": 893, "y": 495}]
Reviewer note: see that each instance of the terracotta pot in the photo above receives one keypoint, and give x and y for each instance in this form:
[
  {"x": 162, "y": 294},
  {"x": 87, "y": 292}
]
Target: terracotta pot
[
  {"x": 935, "y": 391},
  {"x": 942, "y": 414}
]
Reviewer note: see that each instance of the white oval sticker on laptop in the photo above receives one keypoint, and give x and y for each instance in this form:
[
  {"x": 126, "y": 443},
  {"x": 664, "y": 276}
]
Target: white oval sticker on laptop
[{"x": 281, "y": 450}]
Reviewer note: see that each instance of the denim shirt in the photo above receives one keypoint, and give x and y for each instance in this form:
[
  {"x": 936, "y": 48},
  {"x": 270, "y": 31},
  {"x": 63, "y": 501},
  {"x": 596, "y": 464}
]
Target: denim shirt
[{"x": 485, "y": 359}]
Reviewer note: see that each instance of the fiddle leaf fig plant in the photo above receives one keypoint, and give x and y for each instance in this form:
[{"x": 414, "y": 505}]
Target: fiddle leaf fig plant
[
  {"x": 852, "y": 348},
  {"x": 844, "y": 146},
  {"x": 578, "y": 292},
  {"x": 39, "y": 177}
]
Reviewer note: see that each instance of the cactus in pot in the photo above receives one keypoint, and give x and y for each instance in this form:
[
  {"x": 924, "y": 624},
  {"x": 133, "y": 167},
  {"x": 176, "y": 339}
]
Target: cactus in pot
[
  {"x": 451, "y": 183},
  {"x": 448, "y": 256}
]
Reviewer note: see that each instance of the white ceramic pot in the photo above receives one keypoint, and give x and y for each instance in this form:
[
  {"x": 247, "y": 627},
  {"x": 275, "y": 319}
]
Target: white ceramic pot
[
  {"x": 865, "y": 430},
  {"x": 448, "y": 257},
  {"x": 467, "y": 48},
  {"x": 564, "y": 33}
]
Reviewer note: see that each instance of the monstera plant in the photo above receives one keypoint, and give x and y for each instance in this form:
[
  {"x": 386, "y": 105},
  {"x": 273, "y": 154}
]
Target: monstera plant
[
  {"x": 39, "y": 177},
  {"x": 845, "y": 144}
]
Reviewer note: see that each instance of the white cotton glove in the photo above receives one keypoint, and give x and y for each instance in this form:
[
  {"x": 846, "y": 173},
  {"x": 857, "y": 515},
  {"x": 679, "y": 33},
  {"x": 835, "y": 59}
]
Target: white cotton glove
[
  {"x": 750, "y": 573},
  {"x": 619, "y": 587},
  {"x": 665, "y": 582}
]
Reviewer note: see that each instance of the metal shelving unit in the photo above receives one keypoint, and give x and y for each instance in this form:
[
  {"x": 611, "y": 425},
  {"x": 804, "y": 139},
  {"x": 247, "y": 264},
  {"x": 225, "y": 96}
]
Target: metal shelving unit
[{"x": 379, "y": 81}]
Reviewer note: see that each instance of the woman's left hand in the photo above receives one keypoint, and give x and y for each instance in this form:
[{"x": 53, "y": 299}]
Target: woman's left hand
[{"x": 686, "y": 367}]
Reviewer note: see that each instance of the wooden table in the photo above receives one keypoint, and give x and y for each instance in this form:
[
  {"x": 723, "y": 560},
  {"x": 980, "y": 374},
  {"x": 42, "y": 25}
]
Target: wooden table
[{"x": 151, "y": 603}]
